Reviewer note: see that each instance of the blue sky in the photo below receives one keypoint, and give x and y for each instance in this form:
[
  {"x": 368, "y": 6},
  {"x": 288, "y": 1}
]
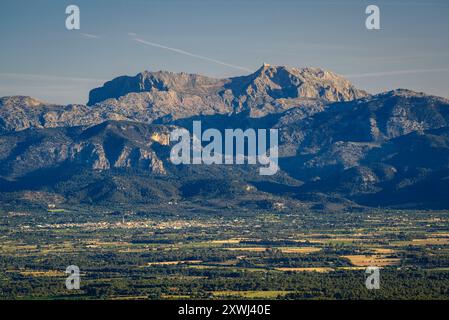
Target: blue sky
[{"x": 39, "y": 57}]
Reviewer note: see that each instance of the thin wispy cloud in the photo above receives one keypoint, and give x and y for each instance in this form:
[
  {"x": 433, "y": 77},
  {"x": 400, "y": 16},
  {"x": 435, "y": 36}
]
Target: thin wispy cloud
[
  {"x": 395, "y": 73},
  {"x": 186, "y": 53},
  {"x": 90, "y": 36}
]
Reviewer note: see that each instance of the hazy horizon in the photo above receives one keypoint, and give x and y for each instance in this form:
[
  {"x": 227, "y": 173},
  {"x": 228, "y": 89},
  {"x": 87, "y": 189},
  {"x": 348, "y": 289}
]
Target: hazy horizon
[{"x": 42, "y": 59}]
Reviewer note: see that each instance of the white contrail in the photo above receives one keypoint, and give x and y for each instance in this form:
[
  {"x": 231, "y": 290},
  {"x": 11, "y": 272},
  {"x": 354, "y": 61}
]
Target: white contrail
[
  {"x": 190, "y": 54},
  {"x": 90, "y": 36},
  {"x": 394, "y": 73}
]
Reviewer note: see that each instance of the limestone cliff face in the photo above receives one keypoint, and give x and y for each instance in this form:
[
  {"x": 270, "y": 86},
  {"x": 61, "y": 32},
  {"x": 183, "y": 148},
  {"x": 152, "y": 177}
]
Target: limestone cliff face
[
  {"x": 101, "y": 147},
  {"x": 165, "y": 96},
  {"x": 277, "y": 88},
  {"x": 271, "y": 89},
  {"x": 162, "y": 138},
  {"x": 19, "y": 113},
  {"x": 334, "y": 139}
]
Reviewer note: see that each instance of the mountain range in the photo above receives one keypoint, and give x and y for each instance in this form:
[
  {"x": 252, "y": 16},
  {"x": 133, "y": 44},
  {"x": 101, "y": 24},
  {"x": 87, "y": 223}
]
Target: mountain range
[{"x": 338, "y": 144}]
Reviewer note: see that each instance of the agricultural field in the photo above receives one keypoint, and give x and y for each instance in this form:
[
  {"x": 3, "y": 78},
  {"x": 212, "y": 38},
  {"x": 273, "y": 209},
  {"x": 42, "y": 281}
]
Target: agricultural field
[{"x": 157, "y": 253}]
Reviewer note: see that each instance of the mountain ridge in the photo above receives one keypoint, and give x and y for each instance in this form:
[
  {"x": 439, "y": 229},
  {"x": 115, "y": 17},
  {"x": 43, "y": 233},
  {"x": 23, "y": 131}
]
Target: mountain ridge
[{"x": 337, "y": 143}]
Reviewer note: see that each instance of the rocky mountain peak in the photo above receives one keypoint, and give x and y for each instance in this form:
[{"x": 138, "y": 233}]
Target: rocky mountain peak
[
  {"x": 281, "y": 82},
  {"x": 20, "y": 101},
  {"x": 264, "y": 85},
  {"x": 406, "y": 93},
  {"x": 333, "y": 137},
  {"x": 148, "y": 81}
]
